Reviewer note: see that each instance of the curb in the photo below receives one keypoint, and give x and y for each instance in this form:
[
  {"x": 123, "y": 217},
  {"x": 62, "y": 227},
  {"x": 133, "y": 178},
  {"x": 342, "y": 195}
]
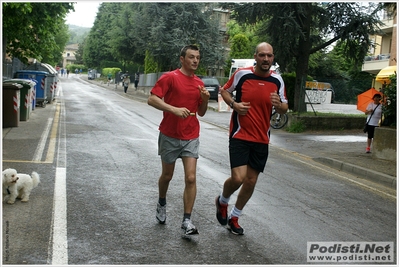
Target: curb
[{"x": 381, "y": 178}]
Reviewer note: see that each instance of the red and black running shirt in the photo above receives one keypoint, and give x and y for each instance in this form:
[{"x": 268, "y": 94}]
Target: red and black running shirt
[{"x": 255, "y": 125}]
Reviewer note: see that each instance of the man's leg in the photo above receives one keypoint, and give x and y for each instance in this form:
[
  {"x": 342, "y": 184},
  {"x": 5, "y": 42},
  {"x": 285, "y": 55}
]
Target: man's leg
[
  {"x": 190, "y": 189},
  {"x": 165, "y": 178},
  {"x": 238, "y": 174},
  {"x": 163, "y": 185},
  {"x": 189, "y": 195},
  {"x": 248, "y": 185},
  {"x": 247, "y": 189}
]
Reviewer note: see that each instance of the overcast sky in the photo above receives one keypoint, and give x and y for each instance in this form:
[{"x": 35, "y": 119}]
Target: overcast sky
[{"x": 84, "y": 15}]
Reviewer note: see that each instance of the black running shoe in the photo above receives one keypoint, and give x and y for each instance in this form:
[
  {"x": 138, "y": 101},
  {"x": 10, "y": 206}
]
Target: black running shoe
[
  {"x": 235, "y": 228},
  {"x": 221, "y": 211}
]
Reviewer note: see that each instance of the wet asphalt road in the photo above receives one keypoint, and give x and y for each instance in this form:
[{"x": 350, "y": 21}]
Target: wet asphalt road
[{"x": 105, "y": 168}]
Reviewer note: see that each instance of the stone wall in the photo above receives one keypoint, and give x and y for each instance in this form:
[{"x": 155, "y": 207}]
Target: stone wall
[
  {"x": 384, "y": 143},
  {"x": 329, "y": 123}
]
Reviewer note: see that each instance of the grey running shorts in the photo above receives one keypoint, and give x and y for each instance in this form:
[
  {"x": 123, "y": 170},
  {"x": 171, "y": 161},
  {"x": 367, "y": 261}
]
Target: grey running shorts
[
  {"x": 170, "y": 149},
  {"x": 248, "y": 153}
]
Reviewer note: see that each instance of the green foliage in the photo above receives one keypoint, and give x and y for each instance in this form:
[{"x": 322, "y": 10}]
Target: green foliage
[
  {"x": 296, "y": 127},
  {"x": 297, "y": 30},
  {"x": 150, "y": 65},
  {"x": 289, "y": 81},
  {"x": 30, "y": 29},
  {"x": 113, "y": 71},
  {"x": 54, "y": 56},
  {"x": 389, "y": 110},
  {"x": 347, "y": 79},
  {"x": 135, "y": 32},
  {"x": 73, "y": 67},
  {"x": 77, "y": 34},
  {"x": 240, "y": 47}
]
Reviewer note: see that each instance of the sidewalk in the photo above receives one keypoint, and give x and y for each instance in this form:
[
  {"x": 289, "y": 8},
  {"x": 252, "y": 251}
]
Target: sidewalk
[{"x": 341, "y": 150}]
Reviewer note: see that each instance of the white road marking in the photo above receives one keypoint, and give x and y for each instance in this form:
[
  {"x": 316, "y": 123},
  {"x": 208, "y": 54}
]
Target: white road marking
[{"x": 59, "y": 228}]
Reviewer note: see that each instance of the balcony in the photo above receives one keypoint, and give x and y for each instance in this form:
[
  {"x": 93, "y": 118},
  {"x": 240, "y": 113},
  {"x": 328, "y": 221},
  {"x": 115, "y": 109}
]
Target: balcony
[{"x": 373, "y": 64}]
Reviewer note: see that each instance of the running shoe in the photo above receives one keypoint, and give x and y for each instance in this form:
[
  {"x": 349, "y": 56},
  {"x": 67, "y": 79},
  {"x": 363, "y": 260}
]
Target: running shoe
[
  {"x": 189, "y": 228},
  {"x": 368, "y": 150},
  {"x": 221, "y": 211},
  {"x": 161, "y": 213},
  {"x": 235, "y": 228}
]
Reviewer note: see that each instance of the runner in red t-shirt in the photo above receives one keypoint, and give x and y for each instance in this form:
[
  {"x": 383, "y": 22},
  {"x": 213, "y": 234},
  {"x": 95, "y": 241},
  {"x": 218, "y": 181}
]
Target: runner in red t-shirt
[
  {"x": 181, "y": 95},
  {"x": 258, "y": 89}
]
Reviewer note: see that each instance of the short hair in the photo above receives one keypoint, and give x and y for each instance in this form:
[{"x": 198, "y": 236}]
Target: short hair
[
  {"x": 187, "y": 47},
  {"x": 377, "y": 95}
]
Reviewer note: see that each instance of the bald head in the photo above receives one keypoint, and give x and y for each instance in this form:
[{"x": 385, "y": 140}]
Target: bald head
[
  {"x": 262, "y": 46},
  {"x": 264, "y": 58}
]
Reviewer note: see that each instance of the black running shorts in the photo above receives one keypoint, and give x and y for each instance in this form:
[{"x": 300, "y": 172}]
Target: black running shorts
[{"x": 248, "y": 153}]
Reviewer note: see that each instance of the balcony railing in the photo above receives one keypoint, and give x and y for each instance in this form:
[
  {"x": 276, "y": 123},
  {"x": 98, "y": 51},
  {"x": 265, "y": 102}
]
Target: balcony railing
[{"x": 377, "y": 57}]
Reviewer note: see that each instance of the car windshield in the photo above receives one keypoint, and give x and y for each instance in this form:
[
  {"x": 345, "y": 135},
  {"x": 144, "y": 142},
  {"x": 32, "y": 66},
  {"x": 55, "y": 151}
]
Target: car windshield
[{"x": 210, "y": 81}]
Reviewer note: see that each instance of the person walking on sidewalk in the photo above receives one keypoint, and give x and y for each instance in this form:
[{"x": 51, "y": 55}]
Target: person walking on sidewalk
[
  {"x": 109, "y": 78},
  {"x": 125, "y": 81},
  {"x": 374, "y": 113},
  {"x": 258, "y": 89},
  {"x": 136, "y": 80},
  {"x": 180, "y": 94}
]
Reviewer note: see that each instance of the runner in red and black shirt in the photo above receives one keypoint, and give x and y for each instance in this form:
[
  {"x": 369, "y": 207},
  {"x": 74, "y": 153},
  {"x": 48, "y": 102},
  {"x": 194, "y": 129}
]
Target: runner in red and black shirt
[{"x": 257, "y": 89}]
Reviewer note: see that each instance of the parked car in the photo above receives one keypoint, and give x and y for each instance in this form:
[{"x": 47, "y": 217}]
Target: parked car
[
  {"x": 212, "y": 85},
  {"x": 91, "y": 75}
]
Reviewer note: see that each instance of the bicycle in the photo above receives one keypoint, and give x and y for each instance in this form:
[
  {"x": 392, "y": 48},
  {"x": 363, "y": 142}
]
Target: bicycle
[{"x": 277, "y": 120}]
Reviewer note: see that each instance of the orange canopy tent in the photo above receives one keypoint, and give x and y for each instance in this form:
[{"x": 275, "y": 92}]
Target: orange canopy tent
[
  {"x": 383, "y": 75},
  {"x": 364, "y": 99}
]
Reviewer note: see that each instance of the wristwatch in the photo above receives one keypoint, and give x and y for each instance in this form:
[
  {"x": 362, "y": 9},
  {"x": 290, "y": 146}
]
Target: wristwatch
[{"x": 231, "y": 104}]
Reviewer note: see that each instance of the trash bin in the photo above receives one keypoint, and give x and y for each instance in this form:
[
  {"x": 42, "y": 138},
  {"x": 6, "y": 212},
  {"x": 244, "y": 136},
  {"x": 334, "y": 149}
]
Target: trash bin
[
  {"x": 56, "y": 79},
  {"x": 50, "y": 88},
  {"x": 25, "y": 97},
  {"x": 33, "y": 106},
  {"x": 52, "y": 79},
  {"x": 41, "y": 78},
  {"x": 11, "y": 95}
]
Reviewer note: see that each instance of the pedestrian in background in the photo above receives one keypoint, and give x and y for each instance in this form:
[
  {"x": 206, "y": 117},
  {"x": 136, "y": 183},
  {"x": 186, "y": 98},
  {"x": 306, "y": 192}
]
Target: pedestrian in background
[
  {"x": 258, "y": 89},
  {"x": 109, "y": 77},
  {"x": 180, "y": 94},
  {"x": 374, "y": 113},
  {"x": 136, "y": 80},
  {"x": 125, "y": 81}
]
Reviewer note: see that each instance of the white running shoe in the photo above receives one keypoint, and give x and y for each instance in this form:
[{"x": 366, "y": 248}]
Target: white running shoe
[
  {"x": 161, "y": 213},
  {"x": 189, "y": 228}
]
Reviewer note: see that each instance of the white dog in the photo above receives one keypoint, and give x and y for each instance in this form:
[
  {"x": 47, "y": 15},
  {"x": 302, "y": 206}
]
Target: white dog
[{"x": 18, "y": 185}]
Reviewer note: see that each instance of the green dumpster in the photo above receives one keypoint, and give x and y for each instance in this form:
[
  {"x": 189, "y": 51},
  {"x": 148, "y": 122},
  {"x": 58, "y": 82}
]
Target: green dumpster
[
  {"x": 11, "y": 96},
  {"x": 26, "y": 97}
]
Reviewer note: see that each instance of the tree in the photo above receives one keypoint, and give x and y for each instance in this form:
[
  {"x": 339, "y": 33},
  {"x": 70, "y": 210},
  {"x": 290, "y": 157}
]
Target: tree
[
  {"x": 97, "y": 50},
  {"x": 29, "y": 29},
  {"x": 240, "y": 48},
  {"x": 136, "y": 35},
  {"x": 54, "y": 55},
  {"x": 297, "y": 30}
]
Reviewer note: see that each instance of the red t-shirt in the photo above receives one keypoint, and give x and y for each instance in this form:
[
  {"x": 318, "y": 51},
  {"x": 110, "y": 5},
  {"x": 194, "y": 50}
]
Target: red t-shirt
[
  {"x": 255, "y": 125},
  {"x": 179, "y": 90}
]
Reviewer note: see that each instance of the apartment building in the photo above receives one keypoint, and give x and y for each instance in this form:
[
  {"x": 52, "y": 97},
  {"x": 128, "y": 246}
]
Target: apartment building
[
  {"x": 383, "y": 53},
  {"x": 68, "y": 56}
]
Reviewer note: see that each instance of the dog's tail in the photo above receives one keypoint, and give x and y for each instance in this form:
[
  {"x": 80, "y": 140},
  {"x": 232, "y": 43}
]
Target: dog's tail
[{"x": 35, "y": 178}]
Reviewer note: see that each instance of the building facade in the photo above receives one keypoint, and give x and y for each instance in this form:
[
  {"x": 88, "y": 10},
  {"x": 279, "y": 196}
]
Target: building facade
[
  {"x": 68, "y": 56},
  {"x": 383, "y": 53}
]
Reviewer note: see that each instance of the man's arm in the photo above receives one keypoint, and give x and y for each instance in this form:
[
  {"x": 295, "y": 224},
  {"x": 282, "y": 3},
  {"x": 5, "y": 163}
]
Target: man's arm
[
  {"x": 203, "y": 107},
  {"x": 158, "y": 103}
]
